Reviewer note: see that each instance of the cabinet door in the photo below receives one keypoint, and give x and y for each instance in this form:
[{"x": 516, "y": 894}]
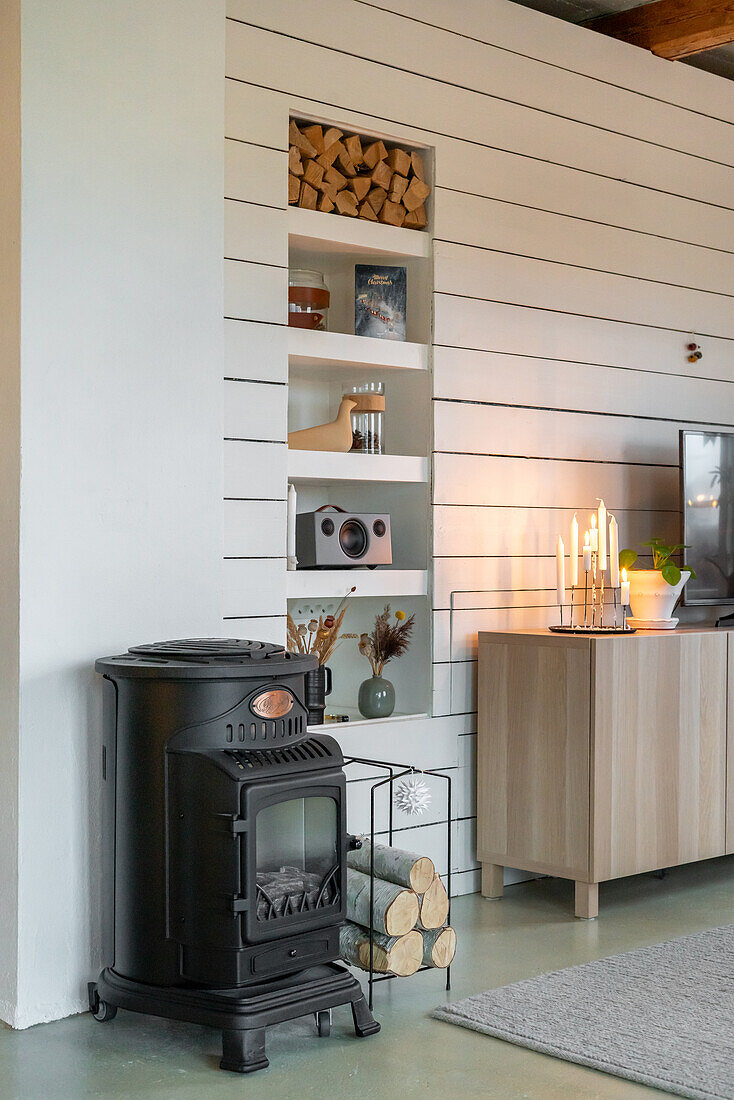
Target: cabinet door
[
  {"x": 658, "y": 752},
  {"x": 533, "y": 754}
]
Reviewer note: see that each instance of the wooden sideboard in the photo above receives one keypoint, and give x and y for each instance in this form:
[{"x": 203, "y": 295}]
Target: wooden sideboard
[{"x": 600, "y": 757}]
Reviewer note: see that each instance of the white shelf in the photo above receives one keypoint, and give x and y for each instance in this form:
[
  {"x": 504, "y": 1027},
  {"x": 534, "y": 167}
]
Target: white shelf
[
  {"x": 308, "y": 348},
  {"x": 315, "y": 467},
  {"x": 356, "y": 719},
  {"x": 334, "y": 583},
  {"x": 312, "y": 229}
]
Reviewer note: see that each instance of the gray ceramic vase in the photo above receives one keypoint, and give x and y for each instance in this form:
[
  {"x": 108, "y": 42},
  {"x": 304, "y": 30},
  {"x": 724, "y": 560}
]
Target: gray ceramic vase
[{"x": 376, "y": 697}]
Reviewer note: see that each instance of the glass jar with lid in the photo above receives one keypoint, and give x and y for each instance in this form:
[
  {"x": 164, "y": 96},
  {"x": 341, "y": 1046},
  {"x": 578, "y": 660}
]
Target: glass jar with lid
[
  {"x": 368, "y": 417},
  {"x": 308, "y": 299}
]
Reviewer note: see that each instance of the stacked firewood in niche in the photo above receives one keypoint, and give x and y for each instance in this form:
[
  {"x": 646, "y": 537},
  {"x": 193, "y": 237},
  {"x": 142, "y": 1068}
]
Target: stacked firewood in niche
[
  {"x": 336, "y": 173},
  {"x": 410, "y": 912}
]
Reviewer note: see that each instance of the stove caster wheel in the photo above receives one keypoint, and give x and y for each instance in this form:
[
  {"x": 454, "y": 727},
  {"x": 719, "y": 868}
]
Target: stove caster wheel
[
  {"x": 99, "y": 1008},
  {"x": 104, "y": 1012},
  {"x": 323, "y": 1022}
]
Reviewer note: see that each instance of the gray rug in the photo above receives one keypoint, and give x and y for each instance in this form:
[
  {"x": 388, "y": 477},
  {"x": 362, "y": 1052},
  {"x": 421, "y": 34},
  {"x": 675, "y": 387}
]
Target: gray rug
[{"x": 661, "y": 1015}]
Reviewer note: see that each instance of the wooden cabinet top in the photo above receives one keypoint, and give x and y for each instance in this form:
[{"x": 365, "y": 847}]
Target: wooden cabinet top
[{"x": 543, "y": 636}]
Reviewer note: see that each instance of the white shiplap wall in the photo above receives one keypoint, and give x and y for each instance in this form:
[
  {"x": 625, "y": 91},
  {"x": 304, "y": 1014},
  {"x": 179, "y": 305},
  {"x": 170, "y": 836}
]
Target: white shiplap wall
[{"x": 584, "y": 227}]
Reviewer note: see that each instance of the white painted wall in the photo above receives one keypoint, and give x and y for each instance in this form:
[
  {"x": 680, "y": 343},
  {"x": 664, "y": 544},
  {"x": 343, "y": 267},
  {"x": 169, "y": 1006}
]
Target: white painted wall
[
  {"x": 121, "y": 352},
  {"x": 584, "y": 225},
  {"x": 9, "y": 494}
]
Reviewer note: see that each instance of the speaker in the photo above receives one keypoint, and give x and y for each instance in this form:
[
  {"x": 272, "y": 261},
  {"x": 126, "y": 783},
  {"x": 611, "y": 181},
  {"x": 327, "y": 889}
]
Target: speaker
[{"x": 331, "y": 538}]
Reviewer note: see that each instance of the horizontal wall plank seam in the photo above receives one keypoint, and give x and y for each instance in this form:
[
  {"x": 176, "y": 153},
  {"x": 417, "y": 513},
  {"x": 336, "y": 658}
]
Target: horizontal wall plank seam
[
  {"x": 580, "y": 218},
  {"x": 429, "y": 134},
  {"x": 270, "y": 557},
  {"x": 557, "y": 507},
  {"x": 571, "y": 313},
  {"x": 258, "y": 144},
  {"x": 258, "y": 381},
  {"x": 476, "y": 91},
  {"x": 581, "y": 412},
  {"x": 257, "y": 263},
  {"x": 556, "y": 458},
  {"x": 549, "y": 64},
  {"x": 249, "y": 202},
  {"x": 583, "y": 267},
  {"x": 258, "y": 500},
  {"x": 256, "y": 321},
  {"x": 575, "y": 362}
]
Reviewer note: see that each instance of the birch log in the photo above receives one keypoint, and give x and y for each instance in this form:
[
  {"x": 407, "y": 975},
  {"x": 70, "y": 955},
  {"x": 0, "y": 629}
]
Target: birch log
[
  {"x": 439, "y": 947},
  {"x": 405, "y": 868},
  {"x": 395, "y": 909},
  {"x": 401, "y": 955},
  {"x": 434, "y": 905}
]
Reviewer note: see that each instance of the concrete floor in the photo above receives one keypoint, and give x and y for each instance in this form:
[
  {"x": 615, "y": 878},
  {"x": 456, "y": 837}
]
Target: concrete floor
[{"x": 530, "y": 932}]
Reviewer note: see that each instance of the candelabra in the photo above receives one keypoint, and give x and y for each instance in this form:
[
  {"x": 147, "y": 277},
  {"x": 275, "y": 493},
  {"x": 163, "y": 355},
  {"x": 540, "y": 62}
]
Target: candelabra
[{"x": 593, "y": 620}]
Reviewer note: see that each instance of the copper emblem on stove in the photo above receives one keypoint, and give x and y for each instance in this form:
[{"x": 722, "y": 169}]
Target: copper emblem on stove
[{"x": 272, "y": 704}]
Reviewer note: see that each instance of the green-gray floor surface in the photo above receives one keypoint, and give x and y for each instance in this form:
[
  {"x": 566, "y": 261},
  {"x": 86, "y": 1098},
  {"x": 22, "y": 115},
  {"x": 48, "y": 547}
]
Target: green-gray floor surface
[{"x": 531, "y": 931}]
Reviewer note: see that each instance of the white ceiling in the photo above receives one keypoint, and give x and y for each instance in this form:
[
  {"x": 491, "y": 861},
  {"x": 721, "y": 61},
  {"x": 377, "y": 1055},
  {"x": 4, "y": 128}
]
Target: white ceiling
[{"x": 719, "y": 61}]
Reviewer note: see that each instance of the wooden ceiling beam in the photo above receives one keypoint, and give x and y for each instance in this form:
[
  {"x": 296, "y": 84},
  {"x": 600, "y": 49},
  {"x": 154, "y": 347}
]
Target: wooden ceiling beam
[{"x": 672, "y": 28}]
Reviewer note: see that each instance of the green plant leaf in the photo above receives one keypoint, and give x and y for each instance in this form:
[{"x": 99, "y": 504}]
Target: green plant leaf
[
  {"x": 692, "y": 572},
  {"x": 627, "y": 559},
  {"x": 671, "y": 573}
]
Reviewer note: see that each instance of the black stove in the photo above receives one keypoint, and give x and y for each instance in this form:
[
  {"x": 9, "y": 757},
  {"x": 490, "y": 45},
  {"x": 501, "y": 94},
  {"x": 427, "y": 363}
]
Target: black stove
[{"x": 226, "y": 821}]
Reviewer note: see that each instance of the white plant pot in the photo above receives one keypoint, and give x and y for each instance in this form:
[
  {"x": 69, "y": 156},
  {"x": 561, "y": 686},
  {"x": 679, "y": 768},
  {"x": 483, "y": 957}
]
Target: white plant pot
[{"x": 651, "y": 597}]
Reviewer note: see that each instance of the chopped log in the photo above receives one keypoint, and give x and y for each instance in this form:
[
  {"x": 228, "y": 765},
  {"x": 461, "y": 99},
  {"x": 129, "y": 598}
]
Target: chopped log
[
  {"x": 399, "y": 161},
  {"x": 335, "y": 178},
  {"x": 376, "y": 198},
  {"x": 326, "y": 204},
  {"x": 398, "y": 188},
  {"x": 374, "y": 153},
  {"x": 434, "y": 905},
  {"x": 354, "y": 148},
  {"x": 328, "y": 157},
  {"x": 346, "y": 203},
  {"x": 401, "y": 955},
  {"x": 295, "y": 164},
  {"x": 313, "y": 173},
  {"x": 394, "y": 865},
  {"x": 416, "y": 194},
  {"x": 347, "y": 164},
  {"x": 294, "y": 187},
  {"x": 308, "y": 196},
  {"x": 360, "y": 185},
  {"x": 295, "y": 137},
  {"x": 392, "y": 213},
  {"x": 416, "y": 219},
  {"x": 439, "y": 947},
  {"x": 381, "y": 175},
  {"x": 331, "y": 136},
  {"x": 366, "y": 211},
  {"x": 329, "y": 190},
  {"x": 315, "y": 135},
  {"x": 395, "y": 909},
  {"x": 416, "y": 163}
]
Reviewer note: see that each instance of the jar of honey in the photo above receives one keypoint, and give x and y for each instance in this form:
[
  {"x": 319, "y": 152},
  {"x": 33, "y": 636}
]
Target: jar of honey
[{"x": 308, "y": 299}]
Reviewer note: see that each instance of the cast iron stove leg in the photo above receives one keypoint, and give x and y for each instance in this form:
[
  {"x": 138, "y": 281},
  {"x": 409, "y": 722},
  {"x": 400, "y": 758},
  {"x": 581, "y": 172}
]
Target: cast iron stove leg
[
  {"x": 244, "y": 1051},
  {"x": 364, "y": 1022}
]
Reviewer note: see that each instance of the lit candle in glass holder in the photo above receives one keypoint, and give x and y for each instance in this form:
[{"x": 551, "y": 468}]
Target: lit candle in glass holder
[{"x": 625, "y": 589}]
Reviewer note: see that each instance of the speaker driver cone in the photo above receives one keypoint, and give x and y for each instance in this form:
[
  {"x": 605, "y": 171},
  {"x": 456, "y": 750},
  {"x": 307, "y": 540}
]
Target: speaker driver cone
[{"x": 353, "y": 538}]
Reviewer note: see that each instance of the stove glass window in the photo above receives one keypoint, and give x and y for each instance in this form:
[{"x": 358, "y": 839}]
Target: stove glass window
[{"x": 297, "y": 857}]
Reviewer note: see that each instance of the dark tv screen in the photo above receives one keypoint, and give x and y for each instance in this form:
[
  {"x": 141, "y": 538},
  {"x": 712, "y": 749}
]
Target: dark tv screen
[{"x": 707, "y": 479}]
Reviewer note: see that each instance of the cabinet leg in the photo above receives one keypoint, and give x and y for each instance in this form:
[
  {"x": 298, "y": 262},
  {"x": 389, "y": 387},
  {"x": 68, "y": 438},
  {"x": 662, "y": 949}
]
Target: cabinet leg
[
  {"x": 493, "y": 880},
  {"x": 244, "y": 1051},
  {"x": 587, "y": 900}
]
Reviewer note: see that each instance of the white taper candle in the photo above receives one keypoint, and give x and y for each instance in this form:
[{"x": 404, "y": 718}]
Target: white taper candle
[
  {"x": 574, "y": 551},
  {"x": 593, "y": 533},
  {"x": 602, "y": 535},
  {"x": 625, "y": 589},
  {"x": 560, "y": 572},
  {"x": 587, "y": 552},
  {"x": 613, "y": 552},
  {"x": 291, "y": 528}
]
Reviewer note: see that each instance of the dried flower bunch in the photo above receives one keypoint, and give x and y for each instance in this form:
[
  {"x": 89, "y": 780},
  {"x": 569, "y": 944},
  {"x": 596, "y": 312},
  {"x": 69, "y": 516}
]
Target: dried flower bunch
[
  {"x": 388, "y": 640},
  {"x": 319, "y": 636}
]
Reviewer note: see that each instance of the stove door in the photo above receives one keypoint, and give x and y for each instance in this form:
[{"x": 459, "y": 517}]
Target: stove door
[{"x": 295, "y": 874}]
